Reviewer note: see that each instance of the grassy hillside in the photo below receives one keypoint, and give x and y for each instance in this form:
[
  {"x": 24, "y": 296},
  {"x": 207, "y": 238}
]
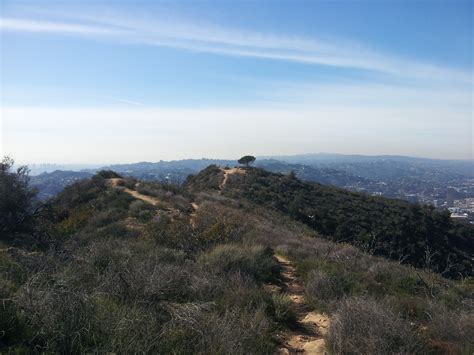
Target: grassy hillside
[
  {"x": 120, "y": 265},
  {"x": 417, "y": 235}
]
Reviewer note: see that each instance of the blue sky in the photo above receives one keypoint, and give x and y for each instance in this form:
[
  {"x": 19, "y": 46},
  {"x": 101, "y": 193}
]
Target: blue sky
[{"x": 124, "y": 81}]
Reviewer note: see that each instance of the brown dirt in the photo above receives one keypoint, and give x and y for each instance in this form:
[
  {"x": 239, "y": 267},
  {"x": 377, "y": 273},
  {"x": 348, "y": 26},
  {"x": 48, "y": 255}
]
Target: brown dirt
[
  {"x": 149, "y": 199},
  {"x": 227, "y": 172},
  {"x": 114, "y": 183},
  {"x": 308, "y": 336}
]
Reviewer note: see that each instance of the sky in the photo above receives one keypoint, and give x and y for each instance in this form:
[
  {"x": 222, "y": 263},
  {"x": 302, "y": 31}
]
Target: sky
[{"x": 127, "y": 81}]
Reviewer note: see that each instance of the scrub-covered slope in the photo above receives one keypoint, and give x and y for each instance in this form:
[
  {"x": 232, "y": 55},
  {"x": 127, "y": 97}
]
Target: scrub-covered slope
[
  {"x": 417, "y": 235},
  {"x": 120, "y": 265}
]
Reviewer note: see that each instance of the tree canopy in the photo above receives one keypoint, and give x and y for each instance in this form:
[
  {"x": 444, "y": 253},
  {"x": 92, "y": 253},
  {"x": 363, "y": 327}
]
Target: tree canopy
[
  {"x": 246, "y": 160},
  {"x": 16, "y": 200}
]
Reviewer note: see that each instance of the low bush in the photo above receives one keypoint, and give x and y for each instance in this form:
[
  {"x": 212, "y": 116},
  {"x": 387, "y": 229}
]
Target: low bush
[
  {"x": 171, "y": 234},
  {"x": 56, "y": 317},
  {"x": 323, "y": 290},
  {"x": 450, "y": 331},
  {"x": 215, "y": 224},
  {"x": 235, "y": 290},
  {"x": 11, "y": 327},
  {"x": 127, "y": 328},
  {"x": 142, "y": 211},
  {"x": 108, "y": 174},
  {"x": 197, "y": 329},
  {"x": 105, "y": 218},
  {"x": 253, "y": 260},
  {"x": 362, "y": 326},
  {"x": 282, "y": 311}
]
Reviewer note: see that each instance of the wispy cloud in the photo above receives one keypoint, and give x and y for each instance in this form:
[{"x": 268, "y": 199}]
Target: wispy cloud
[
  {"x": 203, "y": 37},
  {"x": 125, "y": 101},
  {"x": 11, "y": 24}
]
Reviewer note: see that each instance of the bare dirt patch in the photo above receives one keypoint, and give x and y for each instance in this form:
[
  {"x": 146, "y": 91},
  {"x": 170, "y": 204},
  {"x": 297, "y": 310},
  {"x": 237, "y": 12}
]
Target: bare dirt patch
[{"x": 227, "y": 172}]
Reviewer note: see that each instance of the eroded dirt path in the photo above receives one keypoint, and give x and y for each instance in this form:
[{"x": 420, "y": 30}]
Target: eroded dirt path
[
  {"x": 114, "y": 182},
  {"x": 227, "y": 173},
  {"x": 308, "y": 336}
]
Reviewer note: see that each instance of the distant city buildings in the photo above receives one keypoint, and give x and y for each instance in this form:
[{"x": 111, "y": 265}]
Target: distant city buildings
[{"x": 450, "y": 195}]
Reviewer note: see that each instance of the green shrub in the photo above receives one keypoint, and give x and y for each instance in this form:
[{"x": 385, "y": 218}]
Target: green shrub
[
  {"x": 108, "y": 174},
  {"x": 105, "y": 218},
  {"x": 11, "y": 327},
  {"x": 11, "y": 270},
  {"x": 117, "y": 230},
  {"x": 213, "y": 225},
  {"x": 323, "y": 290},
  {"x": 58, "y": 319},
  {"x": 253, "y": 260},
  {"x": 197, "y": 329},
  {"x": 281, "y": 309},
  {"x": 144, "y": 212},
  {"x": 127, "y": 328},
  {"x": 413, "y": 308},
  {"x": 171, "y": 234},
  {"x": 235, "y": 290}
]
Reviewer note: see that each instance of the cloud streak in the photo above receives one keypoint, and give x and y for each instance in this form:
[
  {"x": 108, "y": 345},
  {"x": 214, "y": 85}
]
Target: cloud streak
[{"x": 199, "y": 37}]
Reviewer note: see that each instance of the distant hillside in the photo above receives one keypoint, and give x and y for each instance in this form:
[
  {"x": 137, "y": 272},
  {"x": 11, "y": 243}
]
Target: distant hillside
[
  {"x": 387, "y": 167},
  {"x": 415, "y": 234},
  {"x": 322, "y": 175},
  {"x": 416, "y": 180},
  {"x": 50, "y": 184},
  {"x": 176, "y": 172}
]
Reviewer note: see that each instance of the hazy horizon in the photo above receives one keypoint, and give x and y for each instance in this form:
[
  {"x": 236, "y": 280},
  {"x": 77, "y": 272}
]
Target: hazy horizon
[
  {"x": 124, "y": 81},
  {"x": 87, "y": 165}
]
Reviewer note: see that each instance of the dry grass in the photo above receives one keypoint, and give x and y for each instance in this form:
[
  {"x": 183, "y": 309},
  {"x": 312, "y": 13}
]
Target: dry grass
[{"x": 362, "y": 326}]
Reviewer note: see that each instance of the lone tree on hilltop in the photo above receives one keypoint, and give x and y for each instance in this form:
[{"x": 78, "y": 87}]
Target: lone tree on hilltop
[{"x": 246, "y": 160}]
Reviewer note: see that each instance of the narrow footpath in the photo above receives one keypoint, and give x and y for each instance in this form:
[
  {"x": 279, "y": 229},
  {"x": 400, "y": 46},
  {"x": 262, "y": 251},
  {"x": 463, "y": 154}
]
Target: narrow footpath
[{"x": 308, "y": 335}]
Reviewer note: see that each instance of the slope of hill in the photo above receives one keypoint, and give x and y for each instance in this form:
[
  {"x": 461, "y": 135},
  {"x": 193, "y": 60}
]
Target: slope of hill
[
  {"x": 415, "y": 234},
  {"x": 50, "y": 184},
  {"x": 386, "y": 167},
  {"x": 120, "y": 265},
  {"x": 414, "y": 179}
]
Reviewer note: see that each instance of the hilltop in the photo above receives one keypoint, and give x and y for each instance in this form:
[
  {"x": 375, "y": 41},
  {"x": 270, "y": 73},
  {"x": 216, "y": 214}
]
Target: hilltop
[
  {"x": 417, "y": 235},
  {"x": 226, "y": 263}
]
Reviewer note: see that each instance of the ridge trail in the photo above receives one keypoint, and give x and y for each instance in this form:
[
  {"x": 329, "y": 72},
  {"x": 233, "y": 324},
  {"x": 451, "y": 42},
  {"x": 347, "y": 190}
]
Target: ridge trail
[
  {"x": 308, "y": 336},
  {"x": 151, "y": 200}
]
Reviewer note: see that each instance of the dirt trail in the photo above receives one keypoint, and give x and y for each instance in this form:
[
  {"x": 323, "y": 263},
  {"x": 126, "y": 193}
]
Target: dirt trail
[
  {"x": 227, "y": 172},
  {"x": 114, "y": 182},
  {"x": 308, "y": 337},
  {"x": 192, "y": 218}
]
